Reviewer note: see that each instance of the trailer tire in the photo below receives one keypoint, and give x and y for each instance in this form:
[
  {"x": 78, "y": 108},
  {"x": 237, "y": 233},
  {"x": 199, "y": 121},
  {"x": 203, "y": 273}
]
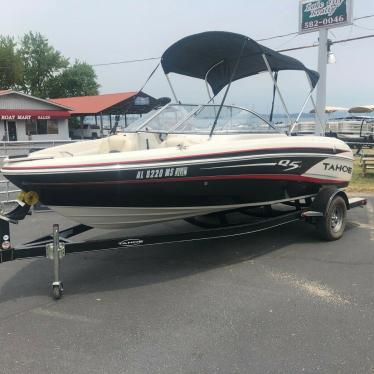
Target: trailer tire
[
  {"x": 331, "y": 226},
  {"x": 57, "y": 291}
]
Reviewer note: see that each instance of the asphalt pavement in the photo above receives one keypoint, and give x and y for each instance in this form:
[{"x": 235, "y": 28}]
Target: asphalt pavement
[{"x": 278, "y": 301}]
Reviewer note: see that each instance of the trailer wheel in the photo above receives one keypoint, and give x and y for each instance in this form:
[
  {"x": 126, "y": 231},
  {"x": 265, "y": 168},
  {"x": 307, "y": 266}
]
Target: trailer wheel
[
  {"x": 57, "y": 291},
  {"x": 331, "y": 226}
]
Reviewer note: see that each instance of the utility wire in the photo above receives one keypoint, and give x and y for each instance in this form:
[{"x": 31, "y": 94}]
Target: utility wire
[
  {"x": 351, "y": 39},
  {"x": 297, "y": 48},
  {"x": 277, "y": 36},
  {"x": 368, "y": 16},
  {"x": 362, "y": 27},
  {"x": 333, "y": 42},
  {"x": 127, "y": 61}
]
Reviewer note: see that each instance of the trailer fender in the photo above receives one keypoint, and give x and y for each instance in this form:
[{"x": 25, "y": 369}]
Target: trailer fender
[{"x": 324, "y": 198}]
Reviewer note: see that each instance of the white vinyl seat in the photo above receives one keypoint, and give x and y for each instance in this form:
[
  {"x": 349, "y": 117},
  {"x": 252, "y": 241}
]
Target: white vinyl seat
[
  {"x": 183, "y": 140},
  {"x": 115, "y": 143}
]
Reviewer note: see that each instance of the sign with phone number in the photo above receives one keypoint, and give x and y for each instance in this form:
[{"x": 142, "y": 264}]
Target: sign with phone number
[{"x": 317, "y": 14}]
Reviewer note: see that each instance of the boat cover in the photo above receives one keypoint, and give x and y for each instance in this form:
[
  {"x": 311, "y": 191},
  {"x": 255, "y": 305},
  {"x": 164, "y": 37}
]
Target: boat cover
[
  {"x": 332, "y": 109},
  {"x": 194, "y": 55},
  {"x": 362, "y": 109}
]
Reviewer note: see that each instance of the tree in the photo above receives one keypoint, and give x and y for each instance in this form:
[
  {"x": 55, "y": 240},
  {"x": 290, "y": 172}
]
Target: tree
[
  {"x": 11, "y": 69},
  {"x": 76, "y": 80},
  {"x": 41, "y": 63}
]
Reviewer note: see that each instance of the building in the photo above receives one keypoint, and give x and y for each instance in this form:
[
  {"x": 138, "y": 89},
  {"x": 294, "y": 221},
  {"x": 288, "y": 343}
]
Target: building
[
  {"x": 25, "y": 117},
  {"x": 108, "y": 105}
]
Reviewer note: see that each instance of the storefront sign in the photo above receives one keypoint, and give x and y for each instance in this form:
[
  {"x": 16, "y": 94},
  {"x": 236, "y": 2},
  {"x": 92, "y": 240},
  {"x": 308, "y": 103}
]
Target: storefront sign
[
  {"x": 317, "y": 14},
  {"x": 139, "y": 100},
  {"x": 13, "y": 115},
  {"x": 22, "y": 116}
]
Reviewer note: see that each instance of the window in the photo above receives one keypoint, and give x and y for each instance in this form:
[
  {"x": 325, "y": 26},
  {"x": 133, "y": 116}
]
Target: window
[
  {"x": 31, "y": 127},
  {"x": 41, "y": 127},
  {"x": 52, "y": 127}
]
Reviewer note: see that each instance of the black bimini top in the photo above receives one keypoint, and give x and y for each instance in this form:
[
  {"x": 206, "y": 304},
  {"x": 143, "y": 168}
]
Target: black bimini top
[{"x": 196, "y": 54}]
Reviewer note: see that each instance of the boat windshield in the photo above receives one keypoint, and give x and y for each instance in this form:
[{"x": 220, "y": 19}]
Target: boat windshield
[
  {"x": 163, "y": 119},
  {"x": 232, "y": 120},
  {"x": 199, "y": 119}
]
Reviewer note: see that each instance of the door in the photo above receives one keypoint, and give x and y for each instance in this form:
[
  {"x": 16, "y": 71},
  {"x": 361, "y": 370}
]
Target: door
[{"x": 12, "y": 131}]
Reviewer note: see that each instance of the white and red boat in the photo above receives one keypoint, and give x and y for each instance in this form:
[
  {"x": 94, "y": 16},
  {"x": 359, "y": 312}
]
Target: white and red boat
[{"x": 181, "y": 161}]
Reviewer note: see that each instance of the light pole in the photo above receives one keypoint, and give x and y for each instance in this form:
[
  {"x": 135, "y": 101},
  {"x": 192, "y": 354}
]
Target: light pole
[{"x": 320, "y": 118}]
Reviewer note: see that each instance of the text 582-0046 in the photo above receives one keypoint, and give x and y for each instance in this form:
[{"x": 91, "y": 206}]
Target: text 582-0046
[{"x": 323, "y": 22}]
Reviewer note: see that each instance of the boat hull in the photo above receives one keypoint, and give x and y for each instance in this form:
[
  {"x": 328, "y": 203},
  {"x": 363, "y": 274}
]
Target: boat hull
[{"x": 126, "y": 217}]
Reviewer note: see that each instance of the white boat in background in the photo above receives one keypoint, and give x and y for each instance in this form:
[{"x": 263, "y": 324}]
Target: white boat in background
[
  {"x": 349, "y": 128},
  {"x": 308, "y": 127},
  {"x": 354, "y": 128}
]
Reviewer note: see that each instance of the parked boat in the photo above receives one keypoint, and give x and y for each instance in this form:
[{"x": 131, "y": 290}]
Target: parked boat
[{"x": 181, "y": 161}]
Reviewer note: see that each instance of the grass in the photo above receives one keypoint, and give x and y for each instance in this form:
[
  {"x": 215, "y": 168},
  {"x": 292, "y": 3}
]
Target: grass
[{"x": 359, "y": 183}]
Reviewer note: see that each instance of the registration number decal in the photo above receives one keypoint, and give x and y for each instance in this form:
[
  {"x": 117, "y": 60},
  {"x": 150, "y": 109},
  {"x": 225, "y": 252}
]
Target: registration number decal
[{"x": 162, "y": 173}]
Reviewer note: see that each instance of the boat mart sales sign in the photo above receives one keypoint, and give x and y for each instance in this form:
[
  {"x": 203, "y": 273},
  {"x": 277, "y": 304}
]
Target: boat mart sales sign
[{"x": 317, "y": 14}]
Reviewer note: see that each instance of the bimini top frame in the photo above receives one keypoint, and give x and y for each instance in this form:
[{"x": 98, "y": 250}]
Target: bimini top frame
[{"x": 221, "y": 57}]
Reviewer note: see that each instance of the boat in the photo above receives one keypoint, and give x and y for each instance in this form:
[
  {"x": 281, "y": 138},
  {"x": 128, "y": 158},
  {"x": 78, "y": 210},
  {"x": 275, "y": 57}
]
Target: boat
[
  {"x": 308, "y": 127},
  {"x": 354, "y": 128},
  {"x": 351, "y": 129},
  {"x": 187, "y": 160}
]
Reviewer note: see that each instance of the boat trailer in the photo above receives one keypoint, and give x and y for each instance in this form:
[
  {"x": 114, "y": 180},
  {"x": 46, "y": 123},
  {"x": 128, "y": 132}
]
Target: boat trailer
[{"x": 321, "y": 211}]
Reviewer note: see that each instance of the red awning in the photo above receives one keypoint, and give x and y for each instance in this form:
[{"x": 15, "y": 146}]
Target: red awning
[
  {"x": 23, "y": 114},
  {"x": 91, "y": 105}
]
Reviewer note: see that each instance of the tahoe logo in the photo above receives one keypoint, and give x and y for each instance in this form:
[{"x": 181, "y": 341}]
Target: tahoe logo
[{"x": 337, "y": 167}]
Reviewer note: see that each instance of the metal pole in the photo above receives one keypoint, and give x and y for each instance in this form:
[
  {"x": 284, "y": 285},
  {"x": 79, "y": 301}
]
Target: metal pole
[
  {"x": 207, "y": 89},
  {"x": 101, "y": 125},
  {"x": 172, "y": 89},
  {"x": 312, "y": 99},
  {"x": 301, "y": 111},
  {"x": 81, "y": 123},
  {"x": 206, "y": 79},
  {"x": 56, "y": 258},
  {"x": 277, "y": 88},
  {"x": 110, "y": 122},
  {"x": 7, "y": 131},
  {"x": 228, "y": 87},
  {"x": 321, "y": 87},
  {"x": 56, "y": 253}
]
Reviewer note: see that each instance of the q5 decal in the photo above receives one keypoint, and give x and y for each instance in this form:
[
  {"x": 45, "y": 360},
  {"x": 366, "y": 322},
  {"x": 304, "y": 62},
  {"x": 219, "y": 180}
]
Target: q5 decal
[{"x": 290, "y": 165}]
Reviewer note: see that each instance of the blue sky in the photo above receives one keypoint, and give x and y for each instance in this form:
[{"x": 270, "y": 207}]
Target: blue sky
[{"x": 113, "y": 30}]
